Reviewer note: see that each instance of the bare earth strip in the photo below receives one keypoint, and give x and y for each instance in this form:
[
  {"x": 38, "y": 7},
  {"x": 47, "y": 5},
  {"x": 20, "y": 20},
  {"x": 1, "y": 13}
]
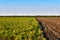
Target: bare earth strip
[{"x": 51, "y": 27}]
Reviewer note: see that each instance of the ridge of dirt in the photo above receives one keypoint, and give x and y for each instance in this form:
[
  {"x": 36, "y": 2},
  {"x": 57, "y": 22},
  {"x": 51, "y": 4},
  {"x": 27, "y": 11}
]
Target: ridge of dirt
[{"x": 50, "y": 27}]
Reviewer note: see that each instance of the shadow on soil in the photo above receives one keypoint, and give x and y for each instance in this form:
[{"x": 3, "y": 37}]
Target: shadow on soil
[{"x": 42, "y": 28}]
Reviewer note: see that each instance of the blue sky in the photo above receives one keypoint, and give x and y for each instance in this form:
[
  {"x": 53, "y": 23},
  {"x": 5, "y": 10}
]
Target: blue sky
[{"x": 29, "y": 7}]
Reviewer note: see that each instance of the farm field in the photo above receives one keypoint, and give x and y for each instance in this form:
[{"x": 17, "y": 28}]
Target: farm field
[
  {"x": 20, "y": 28},
  {"x": 51, "y": 27}
]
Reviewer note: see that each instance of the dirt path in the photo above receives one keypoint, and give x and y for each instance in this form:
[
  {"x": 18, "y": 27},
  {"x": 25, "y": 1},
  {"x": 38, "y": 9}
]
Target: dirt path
[{"x": 50, "y": 27}]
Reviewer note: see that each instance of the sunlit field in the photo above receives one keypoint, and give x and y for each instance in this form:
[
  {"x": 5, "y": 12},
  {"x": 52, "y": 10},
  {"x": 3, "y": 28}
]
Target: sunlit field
[
  {"x": 51, "y": 25},
  {"x": 20, "y": 28}
]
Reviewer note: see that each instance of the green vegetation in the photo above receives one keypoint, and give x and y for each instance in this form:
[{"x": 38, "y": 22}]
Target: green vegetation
[{"x": 20, "y": 28}]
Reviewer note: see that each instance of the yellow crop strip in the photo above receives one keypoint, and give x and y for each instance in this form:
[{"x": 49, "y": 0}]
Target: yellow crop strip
[{"x": 20, "y": 28}]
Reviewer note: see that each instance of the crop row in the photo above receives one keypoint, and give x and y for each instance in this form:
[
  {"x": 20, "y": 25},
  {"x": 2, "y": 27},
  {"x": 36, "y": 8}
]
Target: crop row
[{"x": 20, "y": 28}]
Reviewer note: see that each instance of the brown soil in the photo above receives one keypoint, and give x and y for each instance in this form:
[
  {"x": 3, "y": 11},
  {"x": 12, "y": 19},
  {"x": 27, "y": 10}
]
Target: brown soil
[{"x": 51, "y": 27}]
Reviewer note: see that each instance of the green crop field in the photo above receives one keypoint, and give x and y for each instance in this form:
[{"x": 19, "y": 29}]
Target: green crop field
[{"x": 20, "y": 28}]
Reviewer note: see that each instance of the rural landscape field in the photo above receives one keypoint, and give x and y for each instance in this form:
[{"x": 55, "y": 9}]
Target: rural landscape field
[
  {"x": 20, "y": 28},
  {"x": 50, "y": 26},
  {"x": 29, "y": 19},
  {"x": 29, "y": 28}
]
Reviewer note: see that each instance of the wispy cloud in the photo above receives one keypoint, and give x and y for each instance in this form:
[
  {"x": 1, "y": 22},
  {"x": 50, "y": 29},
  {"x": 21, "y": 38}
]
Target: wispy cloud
[{"x": 29, "y": 7}]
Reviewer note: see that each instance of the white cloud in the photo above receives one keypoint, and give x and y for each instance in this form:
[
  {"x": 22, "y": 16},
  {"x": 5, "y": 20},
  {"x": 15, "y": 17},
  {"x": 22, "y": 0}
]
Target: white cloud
[{"x": 29, "y": 11}]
